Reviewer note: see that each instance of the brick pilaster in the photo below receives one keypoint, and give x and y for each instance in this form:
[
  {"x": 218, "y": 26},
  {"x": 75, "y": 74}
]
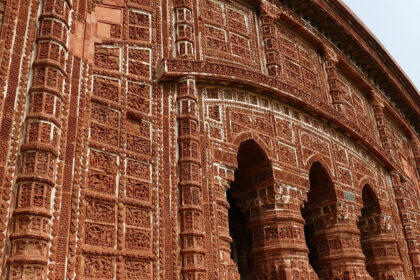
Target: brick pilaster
[
  {"x": 336, "y": 92},
  {"x": 190, "y": 186},
  {"x": 270, "y": 45},
  {"x": 31, "y": 239},
  {"x": 184, "y": 29}
]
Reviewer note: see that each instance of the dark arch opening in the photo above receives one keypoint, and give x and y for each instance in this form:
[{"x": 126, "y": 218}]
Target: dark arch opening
[
  {"x": 254, "y": 170},
  {"x": 321, "y": 187},
  {"x": 370, "y": 202},
  {"x": 321, "y": 201},
  {"x": 366, "y": 224}
]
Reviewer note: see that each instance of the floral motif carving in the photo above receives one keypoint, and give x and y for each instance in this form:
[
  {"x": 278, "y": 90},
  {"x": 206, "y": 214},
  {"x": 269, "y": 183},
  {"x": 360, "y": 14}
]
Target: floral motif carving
[
  {"x": 138, "y": 217},
  {"x": 106, "y": 88},
  {"x": 100, "y": 211},
  {"x": 139, "y": 62},
  {"x": 138, "y": 190},
  {"x": 138, "y": 97},
  {"x": 228, "y": 31},
  {"x": 105, "y": 124}
]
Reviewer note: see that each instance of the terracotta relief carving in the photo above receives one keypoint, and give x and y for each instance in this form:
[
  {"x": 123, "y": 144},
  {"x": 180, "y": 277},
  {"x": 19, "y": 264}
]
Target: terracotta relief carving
[{"x": 203, "y": 140}]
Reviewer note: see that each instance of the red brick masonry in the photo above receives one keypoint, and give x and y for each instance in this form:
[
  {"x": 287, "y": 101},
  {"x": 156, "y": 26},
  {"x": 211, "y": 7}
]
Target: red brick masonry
[{"x": 204, "y": 140}]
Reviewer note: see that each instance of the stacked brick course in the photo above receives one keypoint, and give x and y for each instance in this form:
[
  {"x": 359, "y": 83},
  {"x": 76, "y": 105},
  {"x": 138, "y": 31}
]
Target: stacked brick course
[{"x": 203, "y": 139}]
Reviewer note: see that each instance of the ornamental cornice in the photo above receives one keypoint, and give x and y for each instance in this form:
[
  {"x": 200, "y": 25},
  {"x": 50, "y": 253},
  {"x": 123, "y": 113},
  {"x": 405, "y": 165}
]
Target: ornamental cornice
[
  {"x": 209, "y": 71},
  {"x": 337, "y": 22}
]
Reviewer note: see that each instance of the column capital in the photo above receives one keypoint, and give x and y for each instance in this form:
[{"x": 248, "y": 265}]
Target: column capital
[
  {"x": 376, "y": 99},
  {"x": 329, "y": 55},
  {"x": 269, "y": 11},
  {"x": 187, "y": 77}
]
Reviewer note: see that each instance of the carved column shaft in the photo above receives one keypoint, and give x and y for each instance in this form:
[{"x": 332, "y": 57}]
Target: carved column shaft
[
  {"x": 405, "y": 208},
  {"x": 36, "y": 182},
  {"x": 380, "y": 247},
  {"x": 229, "y": 269},
  {"x": 335, "y": 242},
  {"x": 190, "y": 182},
  {"x": 278, "y": 239},
  {"x": 378, "y": 110}
]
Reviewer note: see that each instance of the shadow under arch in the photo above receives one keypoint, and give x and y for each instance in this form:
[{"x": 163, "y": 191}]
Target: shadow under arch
[
  {"x": 254, "y": 167},
  {"x": 254, "y": 171},
  {"x": 370, "y": 201},
  {"x": 331, "y": 230},
  {"x": 377, "y": 240},
  {"x": 321, "y": 185},
  {"x": 252, "y": 137},
  {"x": 370, "y": 213},
  {"x": 317, "y": 158},
  {"x": 320, "y": 205}
]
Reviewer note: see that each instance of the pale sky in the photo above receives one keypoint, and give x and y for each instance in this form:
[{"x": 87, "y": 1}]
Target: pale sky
[{"x": 396, "y": 23}]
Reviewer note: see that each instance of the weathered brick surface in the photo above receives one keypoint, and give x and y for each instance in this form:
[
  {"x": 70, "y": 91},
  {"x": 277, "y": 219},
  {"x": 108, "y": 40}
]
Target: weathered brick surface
[{"x": 203, "y": 139}]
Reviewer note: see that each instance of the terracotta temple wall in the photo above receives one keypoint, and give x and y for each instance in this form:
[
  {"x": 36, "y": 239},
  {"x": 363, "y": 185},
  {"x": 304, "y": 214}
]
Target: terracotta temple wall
[{"x": 123, "y": 123}]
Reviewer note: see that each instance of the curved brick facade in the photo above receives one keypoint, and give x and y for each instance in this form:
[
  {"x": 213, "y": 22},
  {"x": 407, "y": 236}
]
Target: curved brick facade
[{"x": 203, "y": 140}]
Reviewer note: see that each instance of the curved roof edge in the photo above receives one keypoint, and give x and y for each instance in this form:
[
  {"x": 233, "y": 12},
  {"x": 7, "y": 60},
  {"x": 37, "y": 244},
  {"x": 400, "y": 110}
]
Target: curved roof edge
[
  {"x": 380, "y": 45},
  {"x": 337, "y": 21}
]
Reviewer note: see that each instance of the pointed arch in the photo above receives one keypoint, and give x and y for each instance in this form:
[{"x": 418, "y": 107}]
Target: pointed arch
[
  {"x": 318, "y": 158},
  {"x": 370, "y": 201},
  {"x": 253, "y": 166},
  {"x": 321, "y": 185},
  {"x": 251, "y": 135},
  {"x": 321, "y": 201},
  {"x": 254, "y": 172},
  {"x": 366, "y": 181}
]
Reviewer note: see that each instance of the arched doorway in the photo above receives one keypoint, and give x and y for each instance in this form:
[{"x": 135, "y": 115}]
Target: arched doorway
[
  {"x": 321, "y": 202},
  {"x": 253, "y": 173},
  {"x": 377, "y": 241},
  {"x": 265, "y": 222},
  {"x": 370, "y": 212},
  {"x": 331, "y": 230}
]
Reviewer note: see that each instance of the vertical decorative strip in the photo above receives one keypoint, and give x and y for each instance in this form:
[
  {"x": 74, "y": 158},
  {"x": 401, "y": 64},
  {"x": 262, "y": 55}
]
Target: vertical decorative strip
[
  {"x": 270, "y": 45},
  {"x": 190, "y": 186},
  {"x": 65, "y": 174},
  {"x": 36, "y": 183},
  {"x": 173, "y": 179},
  {"x": 331, "y": 61},
  {"x": 17, "y": 57},
  {"x": 184, "y": 30},
  {"x": 415, "y": 145}
]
